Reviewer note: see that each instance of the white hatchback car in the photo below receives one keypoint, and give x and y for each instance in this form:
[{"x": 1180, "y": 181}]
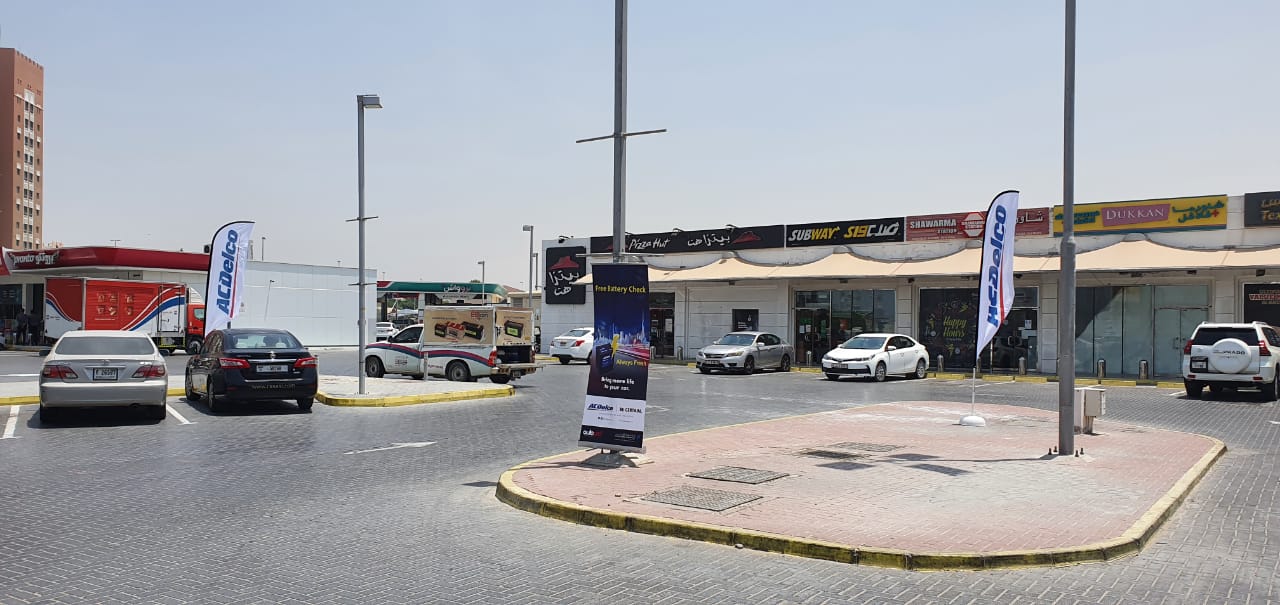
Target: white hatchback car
[
  {"x": 877, "y": 356},
  {"x": 1228, "y": 356},
  {"x": 574, "y": 344}
]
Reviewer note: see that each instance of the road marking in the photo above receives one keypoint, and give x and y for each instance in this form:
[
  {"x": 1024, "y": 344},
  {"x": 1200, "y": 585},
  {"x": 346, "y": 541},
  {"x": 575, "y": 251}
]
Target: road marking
[
  {"x": 393, "y": 446},
  {"x": 19, "y": 375},
  {"x": 176, "y": 414},
  {"x": 1274, "y": 421},
  {"x": 11, "y": 423}
]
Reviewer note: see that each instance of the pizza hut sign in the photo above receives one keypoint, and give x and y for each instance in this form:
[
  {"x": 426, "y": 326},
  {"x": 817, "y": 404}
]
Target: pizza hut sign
[{"x": 34, "y": 260}]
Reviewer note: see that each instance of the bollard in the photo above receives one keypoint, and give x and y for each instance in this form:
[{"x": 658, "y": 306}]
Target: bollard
[
  {"x": 1102, "y": 368},
  {"x": 808, "y": 358},
  {"x": 939, "y": 362},
  {"x": 1144, "y": 371},
  {"x": 680, "y": 353},
  {"x": 1022, "y": 366},
  {"x": 653, "y": 352}
]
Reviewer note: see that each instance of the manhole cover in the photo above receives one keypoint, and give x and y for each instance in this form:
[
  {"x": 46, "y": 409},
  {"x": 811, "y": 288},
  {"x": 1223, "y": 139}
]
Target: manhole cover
[
  {"x": 700, "y": 497},
  {"x": 866, "y": 447},
  {"x": 738, "y": 474},
  {"x": 832, "y": 454}
]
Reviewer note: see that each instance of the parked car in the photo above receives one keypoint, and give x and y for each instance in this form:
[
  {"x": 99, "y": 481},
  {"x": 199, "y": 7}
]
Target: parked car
[
  {"x": 383, "y": 330},
  {"x": 96, "y": 368},
  {"x": 242, "y": 364},
  {"x": 746, "y": 352},
  {"x": 574, "y": 344},
  {"x": 1229, "y": 356},
  {"x": 876, "y": 356}
]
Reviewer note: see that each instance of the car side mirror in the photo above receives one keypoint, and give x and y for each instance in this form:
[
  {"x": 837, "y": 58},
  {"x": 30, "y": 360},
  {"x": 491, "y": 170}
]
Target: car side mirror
[{"x": 891, "y": 348}]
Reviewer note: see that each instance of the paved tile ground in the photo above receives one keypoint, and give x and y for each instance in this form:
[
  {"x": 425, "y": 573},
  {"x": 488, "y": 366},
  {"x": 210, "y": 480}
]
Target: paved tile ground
[{"x": 940, "y": 487}]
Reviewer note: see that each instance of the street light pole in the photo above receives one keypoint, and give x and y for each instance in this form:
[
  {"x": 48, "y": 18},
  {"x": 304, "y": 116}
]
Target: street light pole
[
  {"x": 529, "y": 228},
  {"x": 483, "y": 296},
  {"x": 362, "y": 102},
  {"x": 1067, "y": 271}
]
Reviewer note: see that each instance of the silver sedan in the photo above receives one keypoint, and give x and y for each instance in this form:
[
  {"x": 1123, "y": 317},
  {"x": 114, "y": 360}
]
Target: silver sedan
[
  {"x": 745, "y": 352},
  {"x": 98, "y": 368}
]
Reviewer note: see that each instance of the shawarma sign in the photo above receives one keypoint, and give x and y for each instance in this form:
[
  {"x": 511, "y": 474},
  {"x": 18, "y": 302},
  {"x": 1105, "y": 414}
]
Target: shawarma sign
[{"x": 971, "y": 225}]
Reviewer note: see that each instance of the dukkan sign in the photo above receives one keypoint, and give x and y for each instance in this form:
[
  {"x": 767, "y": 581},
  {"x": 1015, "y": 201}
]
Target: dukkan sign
[{"x": 1172, "y": 214}]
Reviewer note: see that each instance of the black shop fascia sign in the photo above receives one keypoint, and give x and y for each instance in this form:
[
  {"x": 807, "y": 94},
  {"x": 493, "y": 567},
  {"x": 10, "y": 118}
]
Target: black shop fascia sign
[
  {"x": 1262, "y": 209},
  {"x": 873, "y": 231},
  {"x": 706, "y": 240}
]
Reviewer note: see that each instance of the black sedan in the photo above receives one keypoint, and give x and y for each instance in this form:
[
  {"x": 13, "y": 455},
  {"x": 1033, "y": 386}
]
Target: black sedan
[{"x": 242, "y": 364}]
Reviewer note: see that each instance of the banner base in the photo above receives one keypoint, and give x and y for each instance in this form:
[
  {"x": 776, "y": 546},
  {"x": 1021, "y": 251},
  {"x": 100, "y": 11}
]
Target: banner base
[
  {"x": 973, "y": 421},
  {"x": 607, "y": 459}
]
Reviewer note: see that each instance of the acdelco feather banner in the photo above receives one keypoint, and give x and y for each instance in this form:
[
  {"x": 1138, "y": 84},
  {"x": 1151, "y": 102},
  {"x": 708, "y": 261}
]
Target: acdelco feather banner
[
  {"x": 995, "y": 290},
  {"x": 613, "y": 416},
  {"x": 228, "y": 261}
]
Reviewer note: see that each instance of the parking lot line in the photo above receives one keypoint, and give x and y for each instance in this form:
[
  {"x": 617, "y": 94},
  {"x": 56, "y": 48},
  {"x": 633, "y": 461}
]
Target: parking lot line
[
  {"x": 11, "y": 423},
  {"x": 176, "y": 414}
]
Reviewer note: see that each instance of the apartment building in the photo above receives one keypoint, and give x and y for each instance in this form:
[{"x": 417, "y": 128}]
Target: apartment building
[{"x": 21, "y": 190}]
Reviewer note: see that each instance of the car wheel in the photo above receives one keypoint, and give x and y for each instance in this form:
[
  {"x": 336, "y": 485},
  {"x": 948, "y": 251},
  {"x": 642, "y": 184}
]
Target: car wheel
[
  {"x": 191, "y": 393},
  {"x": 157, "y": 412},
  {"x": 749, "y": 366},
  {"x": 922, "y": 369},
  {"x": 1194, "y": 389},
  {"x": 373, "y": 367},
  {"x": 217, "y": 403},
  {"x": 785, "y": 366},
  {"x": 1269, "y": 391},
  {"x": 564, "y": 360},
  {"x": 833, "y": 377},
  {"x": 193, "y": 346},
  {"x": 881, "y": 372},
  {"x": 50, "y": 415},
  {"x": 458, "y": 372},
  {"x": 1215, "y": 389},
  {"x": 499, "y": 378},
  {"x": 305, "y": 403},
  {"x": 704, "y": 370}
]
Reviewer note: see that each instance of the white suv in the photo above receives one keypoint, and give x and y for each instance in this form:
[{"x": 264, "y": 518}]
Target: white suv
[{"x": 1228, "y": 356}]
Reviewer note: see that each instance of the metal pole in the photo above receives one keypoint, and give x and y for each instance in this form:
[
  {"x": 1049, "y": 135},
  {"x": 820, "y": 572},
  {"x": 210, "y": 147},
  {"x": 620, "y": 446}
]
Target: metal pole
[
  {"x": 530, "y": 265},
  {"x": 1067, "y": 277},
  {"x": 619, "y": 127},
  {"x": 483, "y": 296},
  {"x": 360, "y": 221}
]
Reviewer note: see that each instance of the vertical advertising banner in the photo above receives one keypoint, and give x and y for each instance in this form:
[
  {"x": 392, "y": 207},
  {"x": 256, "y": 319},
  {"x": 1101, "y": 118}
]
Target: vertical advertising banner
[
  {"x": 995, "y": 279},
  {"x": 613, "y": 415},
  {"x": 228, "y": 261}
]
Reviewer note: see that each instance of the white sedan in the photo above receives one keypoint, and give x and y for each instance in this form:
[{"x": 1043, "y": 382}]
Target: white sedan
[
  {"x": 877, "y": 356},
  {"x": 574, "y": 344}
]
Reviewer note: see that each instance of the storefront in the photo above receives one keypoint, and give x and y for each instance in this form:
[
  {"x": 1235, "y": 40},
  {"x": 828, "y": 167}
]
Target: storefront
[
  {"x": 1124, "y": 326},
  {"x": 826, "y": 318},
  {"x": 948, "y": 326}
]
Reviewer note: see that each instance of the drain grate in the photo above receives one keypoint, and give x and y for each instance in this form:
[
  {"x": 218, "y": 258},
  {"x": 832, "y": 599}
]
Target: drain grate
[
  {"x": 866, "y": 447},
  {"x": 700, "y": 497},
  {"x": 832, "y": 454},
  {"x": 738, "y": 474}
]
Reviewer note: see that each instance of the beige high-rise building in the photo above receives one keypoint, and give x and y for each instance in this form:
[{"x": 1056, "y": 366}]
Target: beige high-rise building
[{"x": 21, "y": 189}]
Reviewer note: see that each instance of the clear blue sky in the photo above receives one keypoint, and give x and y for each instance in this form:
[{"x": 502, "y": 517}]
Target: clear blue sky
[{"x": 165, "y": 120}]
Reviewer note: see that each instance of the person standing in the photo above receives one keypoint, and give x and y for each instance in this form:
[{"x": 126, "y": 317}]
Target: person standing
[{"x": 20, "y": 332}]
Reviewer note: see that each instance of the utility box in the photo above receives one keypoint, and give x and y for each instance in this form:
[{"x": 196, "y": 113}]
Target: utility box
[{"x": 1090, "y": 402}]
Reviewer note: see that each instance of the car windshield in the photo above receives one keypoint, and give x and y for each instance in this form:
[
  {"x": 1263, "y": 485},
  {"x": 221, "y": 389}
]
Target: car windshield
[
  {"x": 864, "y": 342},
  {"x": 105, "y": 345},
  {"x": 578, "y": 332},
  {"x": 737, "y": 339},
  {"x": 1209, "y": 336},
  {"x": 263, "y": 341}
]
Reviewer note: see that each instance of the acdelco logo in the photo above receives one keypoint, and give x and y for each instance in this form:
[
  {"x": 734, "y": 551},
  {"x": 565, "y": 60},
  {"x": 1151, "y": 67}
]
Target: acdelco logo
[
  {"x": 600, "y": 407},
  {"x": 994, "y": 287},
  {"x": 228, "y": 270}
]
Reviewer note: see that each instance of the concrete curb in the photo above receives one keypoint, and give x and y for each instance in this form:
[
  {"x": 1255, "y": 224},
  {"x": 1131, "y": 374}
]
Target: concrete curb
[
  {"x": 33, "y": 399},
  {"x": 399, "y": 400},
  {"x": 1128, "y": 544}
]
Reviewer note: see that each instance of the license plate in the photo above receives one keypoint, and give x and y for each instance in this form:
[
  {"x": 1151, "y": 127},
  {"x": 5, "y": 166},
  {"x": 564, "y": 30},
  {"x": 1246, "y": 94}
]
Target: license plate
[
  {"x": 273, "y": 368},
  {"x": 710, "y": 363},
  {"x": 106, "y": 374},
  {"x": 1199, "y": 365}
]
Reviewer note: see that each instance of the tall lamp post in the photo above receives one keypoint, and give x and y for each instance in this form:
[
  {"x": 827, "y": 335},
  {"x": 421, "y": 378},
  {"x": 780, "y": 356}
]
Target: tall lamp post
[
  {"x": 362, "y": 102},
  {"x": 483, "y": 296},
  {"x": 529, "y": 228}
]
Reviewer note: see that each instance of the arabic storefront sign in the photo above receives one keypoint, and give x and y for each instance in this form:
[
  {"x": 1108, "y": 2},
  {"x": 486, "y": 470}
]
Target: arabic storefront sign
[
  {"x": 707, "y": 240},
  {"x": 1172, "y": 214},
  {"x": 846, "y": 232},
  {"x": 970, "y": 225},
  {"x": 1262, "y": 209},
  {"x": 564, "y": 266},
  {"x": 1262, "y": 303},
  {"x": 33, "y": 260},
  {"x": 617, "y": 385}
]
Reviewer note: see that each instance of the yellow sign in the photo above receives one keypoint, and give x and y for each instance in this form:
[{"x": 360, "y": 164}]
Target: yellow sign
[{"x": 1172, "y": 214}]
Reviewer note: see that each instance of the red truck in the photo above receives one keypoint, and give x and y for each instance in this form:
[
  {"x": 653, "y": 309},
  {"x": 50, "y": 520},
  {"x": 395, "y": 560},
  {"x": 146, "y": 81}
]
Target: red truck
[{"x": 167, "y": 312}]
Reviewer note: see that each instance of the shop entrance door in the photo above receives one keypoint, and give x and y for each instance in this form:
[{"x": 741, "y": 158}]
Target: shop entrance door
[
  {"x": 1172, "y": 329},
  {"x": 662, "y": 331},
  {"x": 811, "y": 341}
]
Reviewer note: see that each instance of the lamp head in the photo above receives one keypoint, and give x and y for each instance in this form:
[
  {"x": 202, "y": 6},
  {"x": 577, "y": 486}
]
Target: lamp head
[
  {"x": 528, "y": 228},
  {"x": 369, "y": 101}
]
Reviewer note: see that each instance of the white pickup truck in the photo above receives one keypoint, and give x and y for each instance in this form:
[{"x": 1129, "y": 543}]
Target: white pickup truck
[{"x": 461, "y": 343}]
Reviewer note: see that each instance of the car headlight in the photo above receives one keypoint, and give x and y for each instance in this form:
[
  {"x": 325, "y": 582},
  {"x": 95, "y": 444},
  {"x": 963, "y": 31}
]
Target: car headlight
[
  {"x": 738, "y": 352},
  {"x": 861, "y": 359}
]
